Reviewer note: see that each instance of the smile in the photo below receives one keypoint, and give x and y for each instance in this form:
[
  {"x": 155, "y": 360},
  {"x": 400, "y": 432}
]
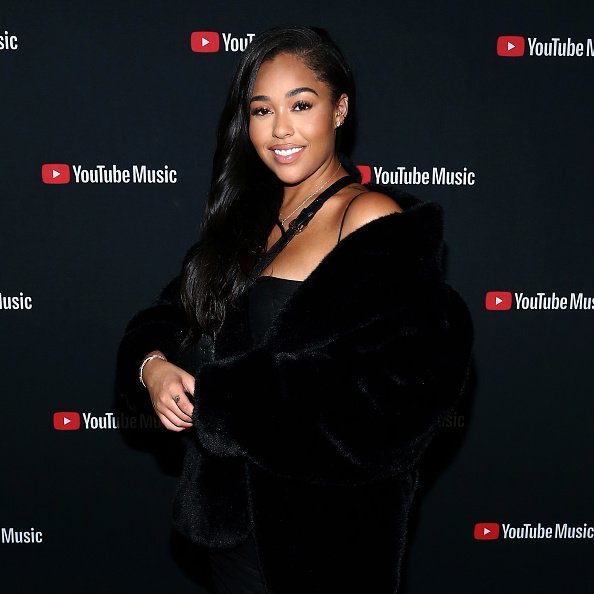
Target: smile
[
  {"x": 287, "y": 156},
  {"x": 287, "y": 152}
]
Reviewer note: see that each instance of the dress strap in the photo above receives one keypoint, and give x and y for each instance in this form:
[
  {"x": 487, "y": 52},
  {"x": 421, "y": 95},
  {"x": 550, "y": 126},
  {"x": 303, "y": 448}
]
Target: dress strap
[
  {"x": 344, "y": 215},
  {"x": 299, "y": 223}
]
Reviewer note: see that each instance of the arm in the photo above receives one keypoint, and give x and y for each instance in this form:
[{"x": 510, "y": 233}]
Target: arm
[
  {"x": 159, "y": 327},
  {"x": 356, "y": 410}
]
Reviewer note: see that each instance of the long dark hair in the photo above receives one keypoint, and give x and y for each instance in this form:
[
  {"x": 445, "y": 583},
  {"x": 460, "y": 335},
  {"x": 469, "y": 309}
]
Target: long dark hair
[{"x": 245, "y": 196}]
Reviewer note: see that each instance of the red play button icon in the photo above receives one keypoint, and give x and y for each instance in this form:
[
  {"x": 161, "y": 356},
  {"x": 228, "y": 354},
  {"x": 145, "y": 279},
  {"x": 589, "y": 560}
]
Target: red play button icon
[
  {"x": 486, "y": 531},
  {"x": 66, "y": 421},
  {"x": 365, "y": 172},
  {"x": 55, "y": 173},
  {"x": 498, "y": 300},
  {"x": 510, "y": 46},
  {"x": 205, "y": 41}
]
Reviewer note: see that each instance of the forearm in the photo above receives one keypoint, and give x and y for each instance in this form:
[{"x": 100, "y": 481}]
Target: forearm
[{"x": 158, "y": 329}]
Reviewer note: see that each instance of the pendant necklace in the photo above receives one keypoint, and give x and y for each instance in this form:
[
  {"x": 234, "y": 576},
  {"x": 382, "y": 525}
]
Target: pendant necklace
[{"x": 282, "y": 221}]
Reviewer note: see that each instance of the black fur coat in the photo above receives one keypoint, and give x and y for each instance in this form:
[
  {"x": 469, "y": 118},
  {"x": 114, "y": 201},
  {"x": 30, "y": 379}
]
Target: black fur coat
[{"x": 312, "y": 439}]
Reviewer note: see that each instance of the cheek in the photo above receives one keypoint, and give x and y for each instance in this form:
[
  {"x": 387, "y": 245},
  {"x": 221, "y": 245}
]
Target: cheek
[
  {"x": 255, "y": 133},
  {"x": 318, "y": 133},
  {"x": 319, "y": 125}
]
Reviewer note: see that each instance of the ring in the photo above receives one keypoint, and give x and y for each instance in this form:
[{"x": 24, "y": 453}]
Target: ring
[{"x": 176, "y": 398}]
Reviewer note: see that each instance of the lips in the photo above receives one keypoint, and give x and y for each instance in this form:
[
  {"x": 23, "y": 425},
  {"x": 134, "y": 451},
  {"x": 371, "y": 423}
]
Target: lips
[{"x": 286, "y": 153}]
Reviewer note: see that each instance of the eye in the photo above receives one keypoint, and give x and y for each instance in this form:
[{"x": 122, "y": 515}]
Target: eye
[
  {"x": 258, "y": 111},
  {"x": 302, "y": 106}
]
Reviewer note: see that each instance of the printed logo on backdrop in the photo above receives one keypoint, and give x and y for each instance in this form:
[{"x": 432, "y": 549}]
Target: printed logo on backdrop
[
  {"x": 486, "y": 531},
  {"x": 529, "y": 531},
  {"x": 208, "y": 42},
  {"x": 514, "y": 46},
  {"x": 15, "y": 302},
  {"x": 55, "y": 173},
  {"x": 13, "y": 536},
  {"x": 71, "y": 421},
  {"x": 506, "y": 300},
  {"x": 510, "y": 46},
  {"x": 63, "y": 173},
  {"x": 413, "y": 176},
  {"x": 8, "y": 42}
]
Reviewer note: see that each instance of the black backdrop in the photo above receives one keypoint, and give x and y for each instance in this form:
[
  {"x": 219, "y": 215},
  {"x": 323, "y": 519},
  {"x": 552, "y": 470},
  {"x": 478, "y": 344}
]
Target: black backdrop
[{"x": 116, "y": 83}]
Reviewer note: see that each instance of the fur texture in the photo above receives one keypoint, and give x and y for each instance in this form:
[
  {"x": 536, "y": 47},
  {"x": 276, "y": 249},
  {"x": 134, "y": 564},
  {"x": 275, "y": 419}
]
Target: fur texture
[{"x": 313, "y": 439}]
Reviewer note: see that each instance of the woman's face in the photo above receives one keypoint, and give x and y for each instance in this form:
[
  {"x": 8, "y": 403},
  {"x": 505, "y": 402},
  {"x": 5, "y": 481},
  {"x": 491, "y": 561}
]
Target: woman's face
[{"x": 293, "y": 120}]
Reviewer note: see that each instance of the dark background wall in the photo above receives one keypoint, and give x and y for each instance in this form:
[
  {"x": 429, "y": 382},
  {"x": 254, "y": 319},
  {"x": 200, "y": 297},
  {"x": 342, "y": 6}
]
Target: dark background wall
[{"x": 116, "y": 83}]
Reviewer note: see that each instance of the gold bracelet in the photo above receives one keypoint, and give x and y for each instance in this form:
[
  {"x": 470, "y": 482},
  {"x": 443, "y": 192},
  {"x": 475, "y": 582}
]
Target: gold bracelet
[{"x": 147, "y": 359}]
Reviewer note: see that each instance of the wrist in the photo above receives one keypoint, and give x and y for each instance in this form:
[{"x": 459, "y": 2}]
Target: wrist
[{"x": 151, "y": 357}]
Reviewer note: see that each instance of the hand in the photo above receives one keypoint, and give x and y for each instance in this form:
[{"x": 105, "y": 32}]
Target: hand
[{"x": 166, "y": 384}]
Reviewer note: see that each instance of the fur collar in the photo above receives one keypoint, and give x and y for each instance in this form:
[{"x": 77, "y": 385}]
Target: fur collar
[{"x": 364, "y": 275}]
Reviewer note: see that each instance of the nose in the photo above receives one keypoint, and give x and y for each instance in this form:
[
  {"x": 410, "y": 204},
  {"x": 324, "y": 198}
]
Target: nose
[{"x": 282, "y": 125}]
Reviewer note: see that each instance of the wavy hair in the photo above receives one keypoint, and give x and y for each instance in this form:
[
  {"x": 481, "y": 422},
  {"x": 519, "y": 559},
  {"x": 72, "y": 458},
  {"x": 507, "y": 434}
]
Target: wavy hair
[{"x": 245, "y": 196}]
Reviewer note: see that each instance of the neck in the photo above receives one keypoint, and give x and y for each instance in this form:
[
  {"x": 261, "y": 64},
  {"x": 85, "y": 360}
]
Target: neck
[{"x": 294, "y": 195}]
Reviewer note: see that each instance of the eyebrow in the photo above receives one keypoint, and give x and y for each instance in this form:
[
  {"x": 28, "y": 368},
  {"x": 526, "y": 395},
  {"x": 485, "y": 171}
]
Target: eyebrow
[{"x": 290, "y": 93}]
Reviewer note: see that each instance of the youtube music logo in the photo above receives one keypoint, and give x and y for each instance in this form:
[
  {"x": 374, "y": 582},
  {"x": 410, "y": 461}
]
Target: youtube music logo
[
  {"x": 498, "y": 300},
  {"x": 205, "y": 41},
  {"x": 55, "y": 173},
  {"x": 66, "y": 421},
  {"x": 510, "y": 46},
  {"x": 486, "y": 531},
  {"x": 70, "y": 421}
]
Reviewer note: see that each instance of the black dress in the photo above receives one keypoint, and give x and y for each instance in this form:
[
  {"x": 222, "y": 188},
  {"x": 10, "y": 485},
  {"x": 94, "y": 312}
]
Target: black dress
[{"x": 236, "y": 571}]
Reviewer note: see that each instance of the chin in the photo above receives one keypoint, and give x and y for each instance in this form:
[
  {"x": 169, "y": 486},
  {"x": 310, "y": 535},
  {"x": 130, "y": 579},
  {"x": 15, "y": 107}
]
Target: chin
[
  {"x": 292, "y": 174},
  {"x": 294, "y": 181},
  {"x": 290, "y": 177}
]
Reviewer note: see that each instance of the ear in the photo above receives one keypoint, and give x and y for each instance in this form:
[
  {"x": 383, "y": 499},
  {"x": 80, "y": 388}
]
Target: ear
[{"x": 342, "y": 108}]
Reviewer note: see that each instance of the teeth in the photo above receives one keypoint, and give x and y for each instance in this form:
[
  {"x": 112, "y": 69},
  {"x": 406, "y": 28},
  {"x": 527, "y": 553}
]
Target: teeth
[{"x": 286, "y": 153}]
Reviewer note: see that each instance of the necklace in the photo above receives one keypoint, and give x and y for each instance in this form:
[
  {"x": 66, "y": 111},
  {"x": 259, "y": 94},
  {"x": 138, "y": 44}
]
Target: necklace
[{"x": 282, "y": 221}]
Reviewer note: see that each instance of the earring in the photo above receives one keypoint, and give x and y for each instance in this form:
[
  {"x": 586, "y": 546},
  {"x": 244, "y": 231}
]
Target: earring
[{"x": 339, "y": 122}]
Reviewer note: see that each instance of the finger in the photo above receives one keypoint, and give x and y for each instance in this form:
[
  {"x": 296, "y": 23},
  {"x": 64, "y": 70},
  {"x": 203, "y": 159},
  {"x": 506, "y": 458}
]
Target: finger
[
  {"x": 174, "y": 415},
  {"x": 184, "y": 405},
  {"x": 189, "y": 382},
  {"x": 174, "y": 419},
  {"x": 169, "y": 425},
  {"x": 178, "y": 392}
]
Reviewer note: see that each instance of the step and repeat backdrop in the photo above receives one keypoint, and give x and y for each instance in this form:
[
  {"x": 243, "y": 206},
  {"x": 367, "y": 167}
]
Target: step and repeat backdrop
[{"x": 108, "y": 116}]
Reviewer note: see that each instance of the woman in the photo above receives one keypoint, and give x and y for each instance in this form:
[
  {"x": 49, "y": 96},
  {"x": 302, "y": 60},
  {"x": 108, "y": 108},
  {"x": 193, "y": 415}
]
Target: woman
[{"x": 307, "y": 390}]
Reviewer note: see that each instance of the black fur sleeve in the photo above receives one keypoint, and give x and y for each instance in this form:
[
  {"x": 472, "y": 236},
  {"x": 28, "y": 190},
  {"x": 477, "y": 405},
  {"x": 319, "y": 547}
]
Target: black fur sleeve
[
  {"x": 158, "y": 327},
  {"x": 358, "y": 409}
]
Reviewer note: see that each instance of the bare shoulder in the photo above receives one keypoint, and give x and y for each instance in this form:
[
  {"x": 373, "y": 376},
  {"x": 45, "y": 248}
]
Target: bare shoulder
[{"x": 365, "y": 208}]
